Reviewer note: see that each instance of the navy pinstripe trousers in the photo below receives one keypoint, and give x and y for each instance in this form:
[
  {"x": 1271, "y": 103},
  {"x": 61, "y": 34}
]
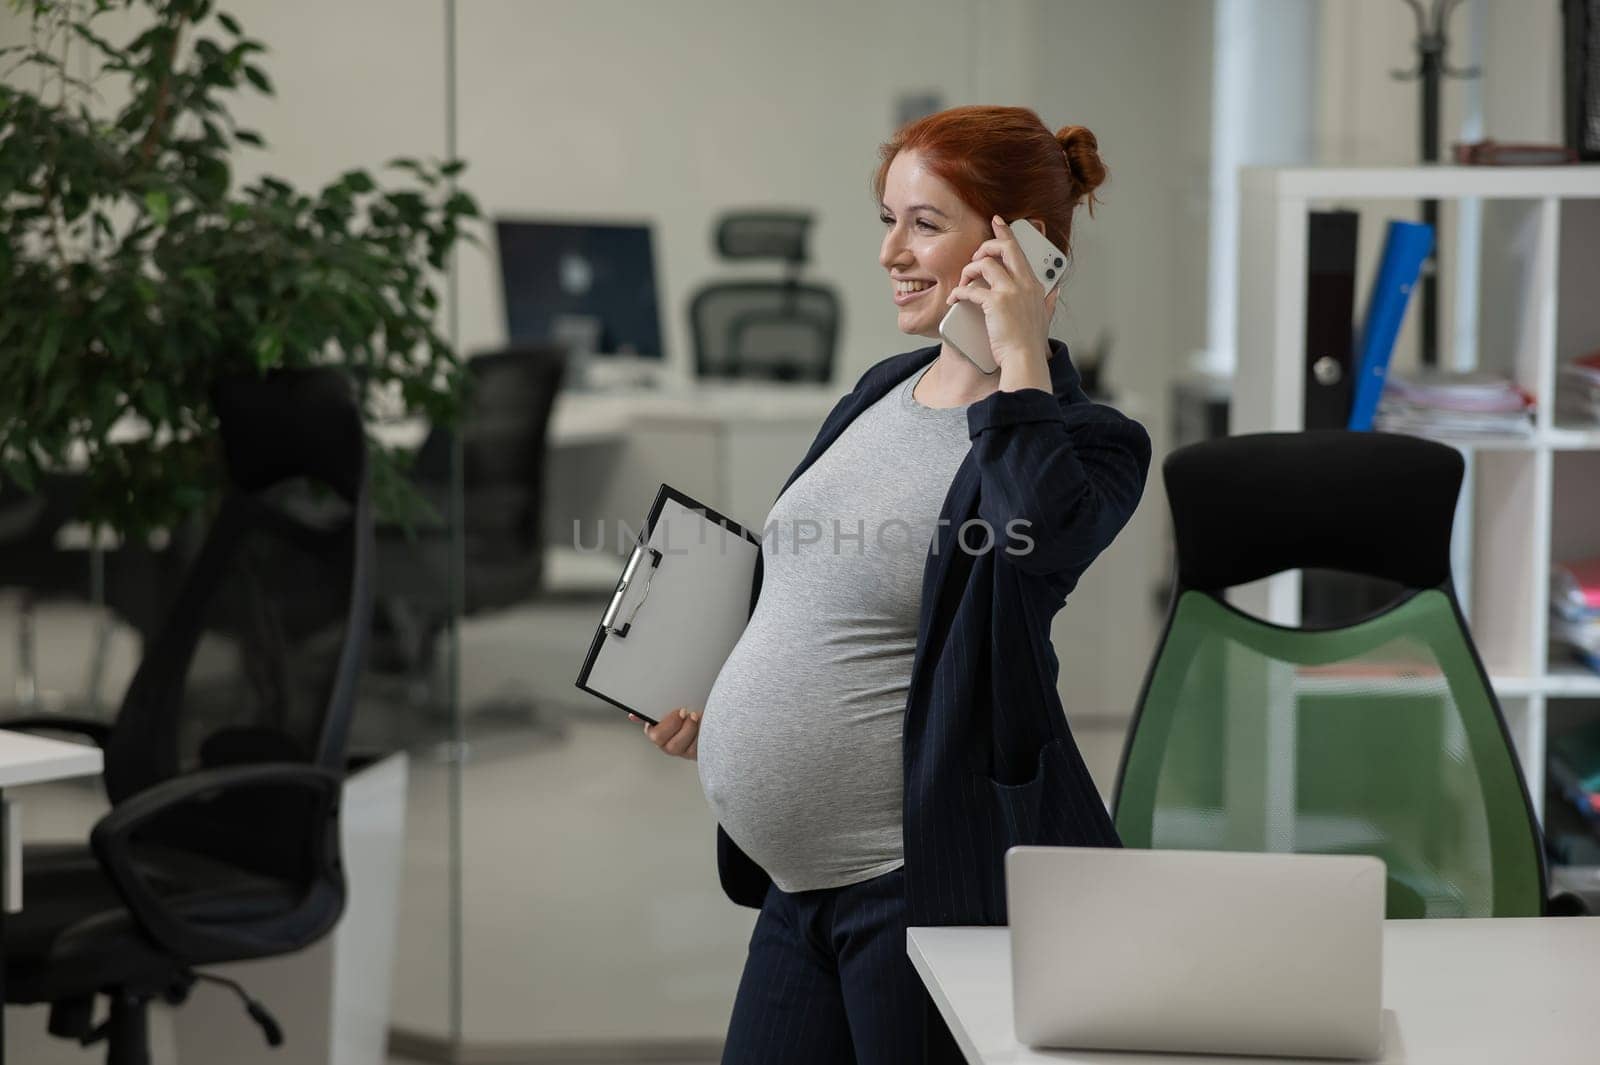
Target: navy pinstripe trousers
[{"x": 827, "y": 981}]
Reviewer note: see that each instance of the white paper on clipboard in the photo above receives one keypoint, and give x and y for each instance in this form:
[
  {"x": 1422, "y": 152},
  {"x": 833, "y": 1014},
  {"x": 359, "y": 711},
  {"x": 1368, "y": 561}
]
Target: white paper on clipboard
[{"x": 678, "y": 610}]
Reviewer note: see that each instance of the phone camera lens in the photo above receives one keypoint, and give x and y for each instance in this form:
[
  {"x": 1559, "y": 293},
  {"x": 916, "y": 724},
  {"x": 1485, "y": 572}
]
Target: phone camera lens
[
  {"x": 1049, "y": 275},
  {"x": 1058, "y": 262}
]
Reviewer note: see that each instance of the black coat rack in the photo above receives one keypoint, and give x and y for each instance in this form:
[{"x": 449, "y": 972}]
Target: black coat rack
[{"x": 1431, "y": 68}]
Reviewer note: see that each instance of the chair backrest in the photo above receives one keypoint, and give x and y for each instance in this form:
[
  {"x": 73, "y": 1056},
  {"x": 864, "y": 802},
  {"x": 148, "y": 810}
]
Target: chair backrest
[
  {"x": 765, "y": 234},
  {"x": 505, "y": 427},
  {"x": 1381, "y": 736},
  {"x": 259, "y": 657},
  {"x": 765, "y": 330}
]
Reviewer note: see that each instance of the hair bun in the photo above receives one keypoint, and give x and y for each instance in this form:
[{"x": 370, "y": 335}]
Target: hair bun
[{"x": 1083, "y": 160}]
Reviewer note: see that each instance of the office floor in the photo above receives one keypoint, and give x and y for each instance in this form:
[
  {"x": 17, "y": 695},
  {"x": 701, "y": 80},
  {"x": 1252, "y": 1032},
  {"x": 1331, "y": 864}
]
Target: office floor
[
  {"x": 591, "y": 913},
  {"x": 576, "y": 815}
]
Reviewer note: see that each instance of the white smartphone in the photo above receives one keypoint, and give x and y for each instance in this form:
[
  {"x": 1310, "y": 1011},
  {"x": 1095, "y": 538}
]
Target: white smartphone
[{"x": 963, "y": 326}]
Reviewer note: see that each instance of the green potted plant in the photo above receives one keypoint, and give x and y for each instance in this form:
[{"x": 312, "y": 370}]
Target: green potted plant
[{"x": 134, "y": 273}]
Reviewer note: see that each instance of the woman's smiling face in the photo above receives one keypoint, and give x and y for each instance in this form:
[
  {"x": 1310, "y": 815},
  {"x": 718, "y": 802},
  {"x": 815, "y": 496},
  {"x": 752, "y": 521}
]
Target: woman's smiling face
[{"x": 929, "y": 235}]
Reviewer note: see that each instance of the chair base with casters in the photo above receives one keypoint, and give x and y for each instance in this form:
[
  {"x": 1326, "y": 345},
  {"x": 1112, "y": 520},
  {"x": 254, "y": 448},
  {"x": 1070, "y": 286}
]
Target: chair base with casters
[{"x": 60, "y": 943}]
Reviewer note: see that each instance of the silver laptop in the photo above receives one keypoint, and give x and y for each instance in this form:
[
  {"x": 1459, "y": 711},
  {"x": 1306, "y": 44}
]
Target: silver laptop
[{"x": 1197, "y": 951}]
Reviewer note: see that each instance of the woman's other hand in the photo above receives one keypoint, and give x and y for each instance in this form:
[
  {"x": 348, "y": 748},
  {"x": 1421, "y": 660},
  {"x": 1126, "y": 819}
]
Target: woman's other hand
[{"x": 678, "y": 732}]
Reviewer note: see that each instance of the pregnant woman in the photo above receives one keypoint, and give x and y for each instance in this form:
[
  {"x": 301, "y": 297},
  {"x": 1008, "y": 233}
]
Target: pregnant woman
[{"x": 888, "y": 723}]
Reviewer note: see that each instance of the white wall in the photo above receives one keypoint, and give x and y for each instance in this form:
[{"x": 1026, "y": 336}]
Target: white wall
[
  {"x": 1263, "y": 113},
  {"x": 345, "y": 97},
  {"x": 677, "y": 112},
  {"x": 358, "y": 83},
  {"x": 1138, "y": 74},
  {"x": 1522, "y": 58}
]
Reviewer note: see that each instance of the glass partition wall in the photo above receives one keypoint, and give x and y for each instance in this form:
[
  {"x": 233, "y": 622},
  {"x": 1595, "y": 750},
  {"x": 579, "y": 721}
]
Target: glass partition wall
[{"x": 590, "y": 911}]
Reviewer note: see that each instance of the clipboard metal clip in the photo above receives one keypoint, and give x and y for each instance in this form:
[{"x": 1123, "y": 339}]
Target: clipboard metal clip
[{"x": 608, "y": 622}]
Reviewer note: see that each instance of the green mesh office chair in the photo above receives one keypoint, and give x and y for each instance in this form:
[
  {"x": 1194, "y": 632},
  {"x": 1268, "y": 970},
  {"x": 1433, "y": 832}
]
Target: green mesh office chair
[{"x": 1381, "y": 736}]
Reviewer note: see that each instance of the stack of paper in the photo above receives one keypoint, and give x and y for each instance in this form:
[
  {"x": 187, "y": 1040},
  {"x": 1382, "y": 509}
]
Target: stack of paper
[
  {"x": 1575, "y": 609},
  {"x": 1578, "y": 390},
  {"x": 1444, "y": 403}
]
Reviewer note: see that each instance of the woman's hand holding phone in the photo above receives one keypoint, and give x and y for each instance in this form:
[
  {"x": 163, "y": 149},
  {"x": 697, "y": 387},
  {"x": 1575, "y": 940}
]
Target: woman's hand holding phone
[
  {"x": 1016, "y": 305},
  {"x": 677, "y": 733}
]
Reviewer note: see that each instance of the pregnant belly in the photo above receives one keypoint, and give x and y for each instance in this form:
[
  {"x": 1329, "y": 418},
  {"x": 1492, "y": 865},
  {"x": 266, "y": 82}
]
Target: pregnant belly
[
  {"x": 804, "y": 790},
  {"x": 755, "y": 759}
]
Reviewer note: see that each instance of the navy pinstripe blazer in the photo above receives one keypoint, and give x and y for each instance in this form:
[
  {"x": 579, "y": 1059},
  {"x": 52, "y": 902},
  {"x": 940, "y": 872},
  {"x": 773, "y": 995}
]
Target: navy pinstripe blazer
[{"x": 989, "y": 759}]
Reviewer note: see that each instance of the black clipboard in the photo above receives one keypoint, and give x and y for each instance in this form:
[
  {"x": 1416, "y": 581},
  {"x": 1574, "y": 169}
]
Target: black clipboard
[{"x": 679, "y": 607}]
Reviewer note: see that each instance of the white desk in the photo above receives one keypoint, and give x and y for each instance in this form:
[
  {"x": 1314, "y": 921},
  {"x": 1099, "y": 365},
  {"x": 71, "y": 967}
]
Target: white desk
[
  {"x": 1455, "y": 992},
  {"x": 584, "y": 417},
  {"x": 28, "y": 759},
  {"x": 729, "y": 445}
]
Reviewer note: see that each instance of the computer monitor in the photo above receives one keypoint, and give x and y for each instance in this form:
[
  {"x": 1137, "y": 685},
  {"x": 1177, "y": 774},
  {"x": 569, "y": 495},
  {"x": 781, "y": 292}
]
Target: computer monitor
[{"x": 590, "y": 285}]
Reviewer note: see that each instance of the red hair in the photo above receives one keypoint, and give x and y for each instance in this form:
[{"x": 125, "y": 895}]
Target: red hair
[{"x": 1004, "y": 161}]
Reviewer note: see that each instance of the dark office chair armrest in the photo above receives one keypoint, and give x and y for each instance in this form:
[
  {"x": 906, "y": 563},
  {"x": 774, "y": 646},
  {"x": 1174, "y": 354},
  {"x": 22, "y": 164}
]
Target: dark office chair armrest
[
  {"x": 113, "y": 842},
  {"x": 98, "y": 731}
]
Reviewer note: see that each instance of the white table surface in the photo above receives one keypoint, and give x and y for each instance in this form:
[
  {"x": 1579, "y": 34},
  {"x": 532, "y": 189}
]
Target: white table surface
[
  {"x": 1455, "y": 992},
  {"x": 29, "y": 759},
  {"x": 580, "y": 417}
]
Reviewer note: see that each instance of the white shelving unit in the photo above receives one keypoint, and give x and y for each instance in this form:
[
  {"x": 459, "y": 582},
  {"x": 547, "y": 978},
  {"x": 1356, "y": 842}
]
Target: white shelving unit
[{"x": 1526, "y": 500}]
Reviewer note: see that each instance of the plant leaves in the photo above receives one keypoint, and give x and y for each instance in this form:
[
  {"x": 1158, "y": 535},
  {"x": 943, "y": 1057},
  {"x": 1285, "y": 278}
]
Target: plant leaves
[
  {"x": 258, "y": 77},
  {"x": 50, "y": 345},
  {"x": 170, "y": 276},
  {"x": 159, "y": 206},
  {"x": 268, "y": 348},
  {"x": 357, "y": 181}
]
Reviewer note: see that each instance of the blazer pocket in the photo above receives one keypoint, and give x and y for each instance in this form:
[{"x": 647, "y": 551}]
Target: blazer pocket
[{"x": 1018, "y": 806}]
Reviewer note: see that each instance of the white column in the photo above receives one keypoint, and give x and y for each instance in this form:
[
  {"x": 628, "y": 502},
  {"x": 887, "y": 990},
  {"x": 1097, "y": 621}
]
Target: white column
[{"x": 1263, "y": 112}]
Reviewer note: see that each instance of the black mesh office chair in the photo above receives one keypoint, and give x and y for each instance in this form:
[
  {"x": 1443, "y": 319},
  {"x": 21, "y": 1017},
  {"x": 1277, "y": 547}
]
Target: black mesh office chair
[
  {"x": 1379, "y": 736},
  {"x": 779, "y": 330},
  {"x": 510, "y": 395},
  {"x": 225, "y": 761}
]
